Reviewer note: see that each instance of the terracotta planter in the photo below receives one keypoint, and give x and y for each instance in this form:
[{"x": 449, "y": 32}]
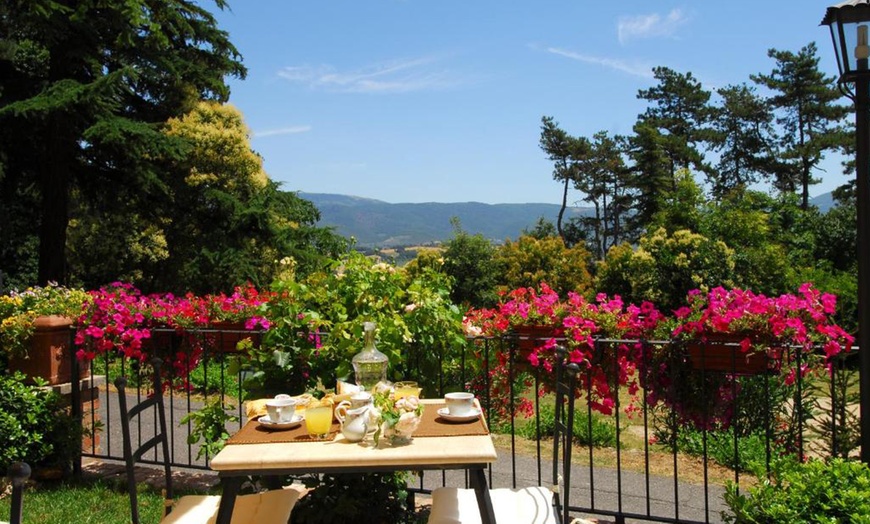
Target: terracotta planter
[
  {"x": 49, "y": 356},
  {"x": 229, "y": 334},
  {"x": 723, "y": 354}
]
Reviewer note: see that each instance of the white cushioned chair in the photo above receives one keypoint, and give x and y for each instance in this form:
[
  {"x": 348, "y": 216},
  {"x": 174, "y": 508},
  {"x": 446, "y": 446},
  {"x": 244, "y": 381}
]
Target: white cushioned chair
[
  {"x": 269, "y": 507},
  {"x": 532, "y": 505}
]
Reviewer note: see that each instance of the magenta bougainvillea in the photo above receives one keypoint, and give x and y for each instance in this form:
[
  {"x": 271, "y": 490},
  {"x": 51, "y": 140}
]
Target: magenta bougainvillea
[
  {"x": 605, "y": 336},
  {"x": 121, "y": 319}
]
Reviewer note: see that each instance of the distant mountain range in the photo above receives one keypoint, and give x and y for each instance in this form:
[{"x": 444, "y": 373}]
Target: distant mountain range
[{"x": 374, "y": 223}]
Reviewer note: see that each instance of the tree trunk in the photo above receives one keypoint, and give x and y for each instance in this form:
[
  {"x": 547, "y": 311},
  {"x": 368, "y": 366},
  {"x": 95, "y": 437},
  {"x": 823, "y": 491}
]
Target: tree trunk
[
  {"x": 562, "y": 210},
  {"x": 61, "y": 140},
  {"x": 54, "y": 182}
]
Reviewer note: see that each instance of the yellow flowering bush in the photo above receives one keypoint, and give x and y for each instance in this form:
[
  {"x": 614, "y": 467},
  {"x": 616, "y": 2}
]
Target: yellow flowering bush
[{"x": 18, "y": 310}]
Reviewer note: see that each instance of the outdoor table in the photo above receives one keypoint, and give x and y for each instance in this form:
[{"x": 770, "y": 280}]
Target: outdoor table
[{"x": 437, "y": 445}]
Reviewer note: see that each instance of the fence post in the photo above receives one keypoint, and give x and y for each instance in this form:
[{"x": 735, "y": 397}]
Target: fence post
[{"x": 76, "y": 410}]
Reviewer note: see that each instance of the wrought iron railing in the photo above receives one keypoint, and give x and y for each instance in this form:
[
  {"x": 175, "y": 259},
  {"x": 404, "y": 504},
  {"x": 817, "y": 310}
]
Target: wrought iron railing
[{"x": 662, "y": 453}]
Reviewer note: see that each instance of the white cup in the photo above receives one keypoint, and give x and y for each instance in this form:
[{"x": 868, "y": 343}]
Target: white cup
[
  {"x": 281, "y": 409},
  {"x": 459, "y": 404}
]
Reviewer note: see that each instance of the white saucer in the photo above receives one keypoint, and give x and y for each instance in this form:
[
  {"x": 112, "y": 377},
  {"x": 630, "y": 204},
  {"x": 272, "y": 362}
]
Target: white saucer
[
  {"x": 443, "y": 413},
  {"x": 266, "y": 422}
]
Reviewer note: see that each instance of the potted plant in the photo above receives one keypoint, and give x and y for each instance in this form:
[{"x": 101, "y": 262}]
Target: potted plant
[
  {"x": 602, "y": 337},
  {"x": 742, "y": 332},
  {"x": 232, "y": 315},
  {"x": 120, "y": 319},
  {"x": 533, "y": 315},
  {"x": 726, "y": 341},
  {"x": 35, "y": 331}
]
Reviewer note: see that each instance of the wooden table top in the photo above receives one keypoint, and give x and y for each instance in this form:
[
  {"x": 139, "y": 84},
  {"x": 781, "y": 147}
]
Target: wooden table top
[{"x": 420, "y": 453}]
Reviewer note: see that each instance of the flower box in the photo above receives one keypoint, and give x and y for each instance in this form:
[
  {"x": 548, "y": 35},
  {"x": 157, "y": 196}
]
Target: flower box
[
  {"x": 723, "y": 353},
  {"x": 228, "y": 334},
  {"x": 49, "y": 356}
]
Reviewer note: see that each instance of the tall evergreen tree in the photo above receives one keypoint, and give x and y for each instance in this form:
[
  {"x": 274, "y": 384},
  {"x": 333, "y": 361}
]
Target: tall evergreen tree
[
  {"x": 602, "y": 180},
  {"x": 804, "y": 102},
  {"x": 566, "y": 153},
  {"x": 649, "y": 172},
  {"x": 679, "y": 109},
  {"x": 743, "y": 126},
  {"x": 85, "y": 86}
]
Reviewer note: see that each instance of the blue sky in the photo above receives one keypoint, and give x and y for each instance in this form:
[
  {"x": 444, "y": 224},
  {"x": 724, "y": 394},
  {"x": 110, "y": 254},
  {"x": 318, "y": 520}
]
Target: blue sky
[{"x": 441, "y": 100}]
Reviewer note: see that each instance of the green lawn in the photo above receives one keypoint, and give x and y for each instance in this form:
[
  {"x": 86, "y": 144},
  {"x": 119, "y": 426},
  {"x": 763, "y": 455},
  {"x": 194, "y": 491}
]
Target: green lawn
[{"x": 96, "y": 502}]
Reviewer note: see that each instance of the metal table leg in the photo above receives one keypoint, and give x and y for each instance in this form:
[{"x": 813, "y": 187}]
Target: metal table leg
[
  {"x": 231, "y": 487},
  {"x": 481, "y": 490}
]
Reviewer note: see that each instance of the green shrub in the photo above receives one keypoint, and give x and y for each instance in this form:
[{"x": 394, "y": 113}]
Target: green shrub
[
  {"x": 210, "y": 427},
  {"x": 750, "y": 454},
  {"x": 587, "y": 432},
  {"x": 34, "y": 426},
  {"x": 379, "y": 498},
  {"x": 812, "y": 492}
]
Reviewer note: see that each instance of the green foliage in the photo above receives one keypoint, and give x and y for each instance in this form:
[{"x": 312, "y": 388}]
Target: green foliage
[
  {"x": 680, "y": 111},
  {"x": 34, "y": 426},
  {"x": 530, "y": 261},
  {"x": 665, "y": 267},
  {"x": 418, "y": 327},
  {"x": 843, "y": 284},
  {"x": 371, "y": 498},
  {"x": 229, "y": 223},
  {"x": 18, "y": 311},
  {"x": 681, "y": 207},
  {"x": 470, "y": 262},
  {"x": 743, "y": 221},
  {"x": 209, "y": 427},
  {"x": 804, "y": 103},
  {"x": 809, "y": 492},
  {"x": 836, "y": 237},
  {"x": 543, "y": 228},
  {"x": 743, "y": 128},
  {"x": 83, "y": 93},
  {"x": 745, "y": 453},
  {"x": 837, "y": 424},
  {"x": 588, "y": 430}
]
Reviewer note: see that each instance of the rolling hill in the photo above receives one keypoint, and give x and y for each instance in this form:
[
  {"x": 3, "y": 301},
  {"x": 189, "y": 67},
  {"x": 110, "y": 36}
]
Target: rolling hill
[{"x": 374, "y": 223}]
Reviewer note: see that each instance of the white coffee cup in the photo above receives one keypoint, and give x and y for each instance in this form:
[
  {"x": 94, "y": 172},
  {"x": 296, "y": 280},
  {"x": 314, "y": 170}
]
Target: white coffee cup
[
  {"x": 460, "y": 404},
  {"x": 281, "y": 409}
]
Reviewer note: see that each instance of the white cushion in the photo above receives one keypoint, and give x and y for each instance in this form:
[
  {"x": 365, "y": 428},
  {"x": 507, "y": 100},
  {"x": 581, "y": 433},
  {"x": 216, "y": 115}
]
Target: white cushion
[
  {"x": 511, "y": 506},
  {"x": 269, "y": 507}
]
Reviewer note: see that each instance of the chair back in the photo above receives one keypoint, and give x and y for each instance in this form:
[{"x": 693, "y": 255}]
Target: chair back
[
  {"x": 153, "y": 404},
  {"x": 18, "y": 473},
  {"x": 563, "y": 433}
]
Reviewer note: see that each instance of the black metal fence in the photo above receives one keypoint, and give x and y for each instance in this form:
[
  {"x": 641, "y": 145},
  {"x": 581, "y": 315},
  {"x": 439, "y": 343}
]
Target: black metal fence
[{"x": 657, "y": 444}]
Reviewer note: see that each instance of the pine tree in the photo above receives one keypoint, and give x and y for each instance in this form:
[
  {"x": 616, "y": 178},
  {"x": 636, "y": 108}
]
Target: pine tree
[
  {"x": 85, "y": 86},
  {"x": 679, "y": 109},
  {"x": 803, "y": 100},
  {"x": 743, "y": 126}
]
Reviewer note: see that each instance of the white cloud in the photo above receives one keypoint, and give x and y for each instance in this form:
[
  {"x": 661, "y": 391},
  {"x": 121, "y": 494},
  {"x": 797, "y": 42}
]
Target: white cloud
[
  {"x": 292, "y": 130},
  {"x": 649, "y": 26},
  {"x": 634, "y": 69},
  {"x": 391, "y": 77}
]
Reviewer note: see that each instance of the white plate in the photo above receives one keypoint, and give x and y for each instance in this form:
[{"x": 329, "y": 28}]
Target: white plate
[
  {"x": 265, "y": 421},
  {"x": 443, "y": 413}
]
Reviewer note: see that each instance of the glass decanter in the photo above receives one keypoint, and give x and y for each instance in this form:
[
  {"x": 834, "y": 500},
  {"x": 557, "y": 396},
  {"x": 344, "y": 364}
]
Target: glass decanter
[{"x": 369, "y": 365}]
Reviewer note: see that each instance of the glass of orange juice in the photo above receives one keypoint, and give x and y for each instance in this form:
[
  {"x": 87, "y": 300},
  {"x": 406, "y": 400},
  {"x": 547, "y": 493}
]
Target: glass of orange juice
[
  {"x": 318, "y": 420},
  {"x": 406, "y": 388}
]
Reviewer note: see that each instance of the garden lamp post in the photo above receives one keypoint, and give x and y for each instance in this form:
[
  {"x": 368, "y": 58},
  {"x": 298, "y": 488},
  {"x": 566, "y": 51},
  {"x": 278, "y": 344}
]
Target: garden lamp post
[{"x": 848, "y": 24}]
